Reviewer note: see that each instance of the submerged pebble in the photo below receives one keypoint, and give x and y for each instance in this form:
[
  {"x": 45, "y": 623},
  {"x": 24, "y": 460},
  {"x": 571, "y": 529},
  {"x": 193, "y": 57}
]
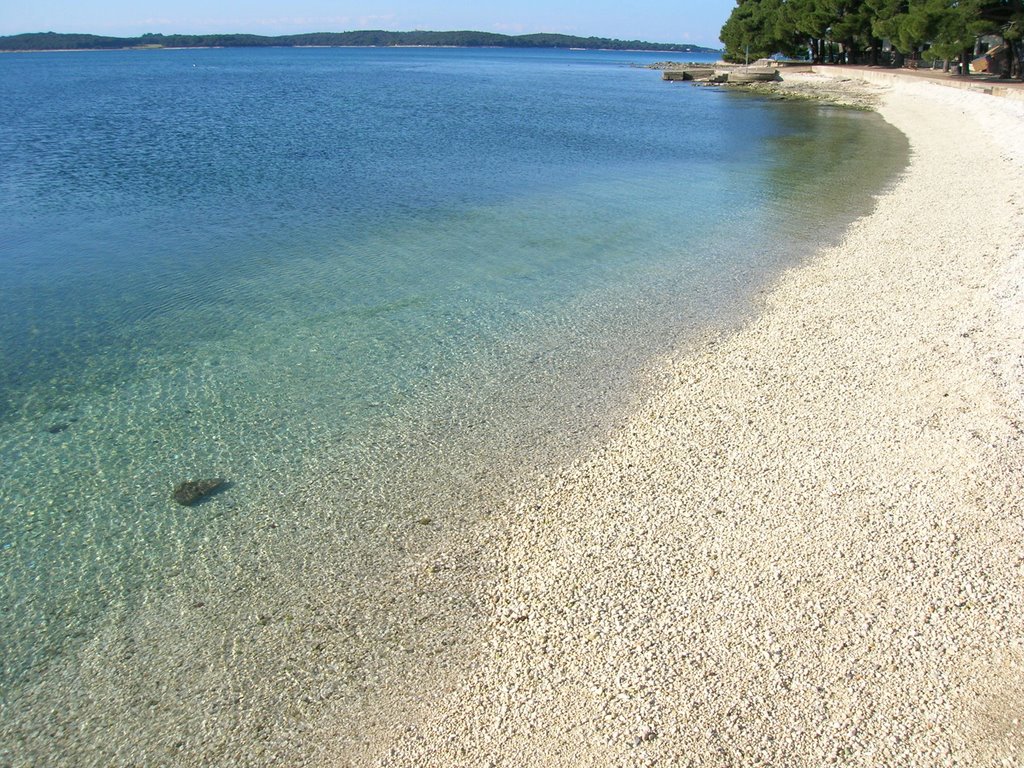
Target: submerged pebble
[{"x": 190, "y": 491}]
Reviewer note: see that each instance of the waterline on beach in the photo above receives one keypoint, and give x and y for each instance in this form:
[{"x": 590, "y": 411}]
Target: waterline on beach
[{"x": 370, "y": 398}]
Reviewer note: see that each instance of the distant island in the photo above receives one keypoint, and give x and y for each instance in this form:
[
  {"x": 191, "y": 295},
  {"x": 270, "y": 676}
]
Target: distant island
[{"x": 53, "y": 41}]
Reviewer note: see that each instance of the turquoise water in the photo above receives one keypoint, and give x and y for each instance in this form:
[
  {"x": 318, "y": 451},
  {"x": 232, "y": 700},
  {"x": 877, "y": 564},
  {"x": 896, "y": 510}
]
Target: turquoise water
[{"x": 339, "y": 276}]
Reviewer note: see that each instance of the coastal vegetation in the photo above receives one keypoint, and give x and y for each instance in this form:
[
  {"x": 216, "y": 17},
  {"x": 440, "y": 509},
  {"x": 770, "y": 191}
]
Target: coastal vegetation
[
  {"x": 858, "y": 31},
  {"x": 53, "y": 41}
]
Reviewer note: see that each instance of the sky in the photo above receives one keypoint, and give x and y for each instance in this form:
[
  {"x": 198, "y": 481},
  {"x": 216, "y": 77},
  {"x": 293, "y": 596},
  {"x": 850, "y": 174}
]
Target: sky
[{"x": 660, "y": 21}]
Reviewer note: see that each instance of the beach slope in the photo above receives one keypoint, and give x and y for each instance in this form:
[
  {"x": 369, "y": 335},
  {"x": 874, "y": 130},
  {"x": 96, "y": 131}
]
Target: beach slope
[{"x": 805, "y": 549}]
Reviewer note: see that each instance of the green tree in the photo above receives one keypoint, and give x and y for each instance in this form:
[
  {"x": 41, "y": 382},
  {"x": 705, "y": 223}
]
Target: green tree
[
  {"x": 943, "y": 29},
  {"x": 852, "y": 28},
  {"x": 1006, "y": 19},
  {"x": 758, "y": 28},
  {"x": 811, "y": 21}
]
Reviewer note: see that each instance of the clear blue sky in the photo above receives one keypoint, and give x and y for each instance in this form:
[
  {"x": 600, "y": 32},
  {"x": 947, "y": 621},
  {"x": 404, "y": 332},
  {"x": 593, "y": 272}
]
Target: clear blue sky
[{"x": 669, "y": 21}]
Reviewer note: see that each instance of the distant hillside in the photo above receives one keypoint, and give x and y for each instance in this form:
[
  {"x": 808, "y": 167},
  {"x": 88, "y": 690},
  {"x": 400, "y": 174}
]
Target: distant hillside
[{"x": 52, "y": 41}]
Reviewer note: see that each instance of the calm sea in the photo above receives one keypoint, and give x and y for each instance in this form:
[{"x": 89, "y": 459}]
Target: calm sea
[{"x": 366, "y": 287}]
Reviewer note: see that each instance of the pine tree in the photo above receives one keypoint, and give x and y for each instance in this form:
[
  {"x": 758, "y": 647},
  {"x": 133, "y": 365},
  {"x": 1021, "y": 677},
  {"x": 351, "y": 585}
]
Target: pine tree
[
  {"x": 945, "y": 29},
  {"x": 757, "y": 28}
]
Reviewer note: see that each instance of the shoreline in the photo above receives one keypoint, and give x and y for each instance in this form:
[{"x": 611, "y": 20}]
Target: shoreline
[
  {"x": 805, "y": 549},
  {"x": 662, "y": 598},
  {"x": 297, "y": 597}
]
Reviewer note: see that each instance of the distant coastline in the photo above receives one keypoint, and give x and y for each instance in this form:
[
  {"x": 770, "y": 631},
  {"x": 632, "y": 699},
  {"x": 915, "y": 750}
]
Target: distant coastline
[{"x": 55, "y": 41}]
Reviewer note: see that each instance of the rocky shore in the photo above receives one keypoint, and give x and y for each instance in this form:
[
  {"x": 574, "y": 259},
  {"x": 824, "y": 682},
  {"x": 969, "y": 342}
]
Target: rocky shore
[
  {"x": 789, "y": 83},
  {"x": 842, "y": 91},
  {"x": 804, "y": 549}
]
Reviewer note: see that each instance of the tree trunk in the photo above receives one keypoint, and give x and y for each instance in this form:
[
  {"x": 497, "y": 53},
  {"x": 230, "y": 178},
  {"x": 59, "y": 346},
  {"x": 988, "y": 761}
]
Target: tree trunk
[
  {"x": 1013, "y": 59},
  {"x": 851, "y": 54}
]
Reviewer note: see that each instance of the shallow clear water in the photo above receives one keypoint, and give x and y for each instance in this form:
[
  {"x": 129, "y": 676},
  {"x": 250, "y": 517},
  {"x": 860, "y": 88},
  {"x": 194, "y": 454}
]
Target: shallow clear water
[{"x": 265, "y": 264}]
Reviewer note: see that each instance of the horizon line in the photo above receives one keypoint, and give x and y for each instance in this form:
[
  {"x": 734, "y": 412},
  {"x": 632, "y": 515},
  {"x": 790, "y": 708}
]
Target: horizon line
[{"x": 716, "y": 47}]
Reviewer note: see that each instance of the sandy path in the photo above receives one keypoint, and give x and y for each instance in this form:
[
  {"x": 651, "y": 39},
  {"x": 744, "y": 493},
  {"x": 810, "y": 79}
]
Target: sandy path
[{"x": 807, "y": 550}]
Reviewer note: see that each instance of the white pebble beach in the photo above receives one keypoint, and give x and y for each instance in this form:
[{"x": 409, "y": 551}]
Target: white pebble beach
[{"x": 806, "y": 549}]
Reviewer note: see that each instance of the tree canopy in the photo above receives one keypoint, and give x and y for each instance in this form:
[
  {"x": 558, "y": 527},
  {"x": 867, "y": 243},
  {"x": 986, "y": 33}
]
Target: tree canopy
[{"x": 941, "y": 29}]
